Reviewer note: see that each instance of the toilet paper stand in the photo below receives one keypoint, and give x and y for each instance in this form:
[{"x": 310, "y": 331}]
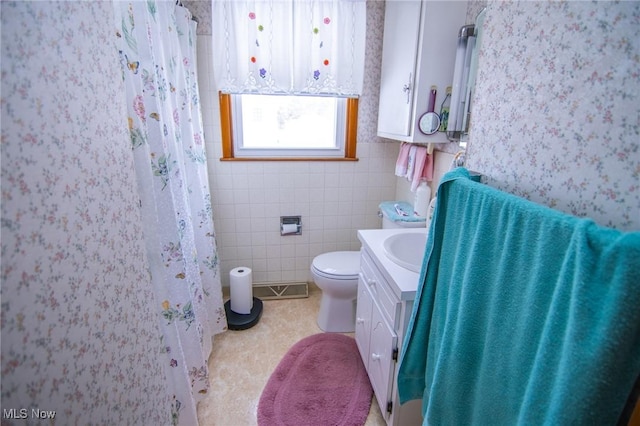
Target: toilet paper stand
[
  {"x": 242, "y": 309},
  {"x": 237, "y": 321}
]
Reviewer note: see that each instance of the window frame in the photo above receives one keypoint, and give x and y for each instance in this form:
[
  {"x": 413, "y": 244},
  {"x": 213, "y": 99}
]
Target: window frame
[{"x": 228, "y": 152}]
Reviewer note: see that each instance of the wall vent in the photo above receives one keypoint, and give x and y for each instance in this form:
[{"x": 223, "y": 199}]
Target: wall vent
[{"x": 293, "y": 290}]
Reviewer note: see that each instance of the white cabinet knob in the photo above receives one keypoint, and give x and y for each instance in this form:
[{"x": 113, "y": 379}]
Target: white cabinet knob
[
  {"x": 371, "y": 281},
  {"x": 359, "y": 321},
  {"x": 375, "y": 357}
]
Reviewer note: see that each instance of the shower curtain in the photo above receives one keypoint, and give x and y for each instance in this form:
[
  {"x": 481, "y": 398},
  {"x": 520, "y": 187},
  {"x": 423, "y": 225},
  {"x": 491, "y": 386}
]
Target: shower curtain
[{"x": 156, "y": 44}]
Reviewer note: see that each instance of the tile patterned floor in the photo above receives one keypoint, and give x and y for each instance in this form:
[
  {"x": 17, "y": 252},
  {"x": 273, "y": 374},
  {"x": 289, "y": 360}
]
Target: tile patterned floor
[{"x": 242, "y": 361}]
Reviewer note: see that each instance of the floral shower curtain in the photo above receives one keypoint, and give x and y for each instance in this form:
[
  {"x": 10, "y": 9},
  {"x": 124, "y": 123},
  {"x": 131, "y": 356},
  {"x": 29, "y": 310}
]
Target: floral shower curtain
[{"x": 156, "y": 44}]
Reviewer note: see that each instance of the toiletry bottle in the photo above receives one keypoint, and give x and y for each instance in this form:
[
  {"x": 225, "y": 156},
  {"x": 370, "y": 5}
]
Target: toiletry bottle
[
  {"x": 421, "y": 200},
  {"x": 444, "y": 110}
]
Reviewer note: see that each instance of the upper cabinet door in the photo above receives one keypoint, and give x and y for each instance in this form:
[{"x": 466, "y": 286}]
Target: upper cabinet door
[
  {"x": 399, "y": 54},
  {"x": 418, "y": 53}
]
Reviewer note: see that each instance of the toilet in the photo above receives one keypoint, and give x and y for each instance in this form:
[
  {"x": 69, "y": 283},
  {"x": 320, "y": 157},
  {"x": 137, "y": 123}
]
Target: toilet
[{"x": 336, "y": 274}]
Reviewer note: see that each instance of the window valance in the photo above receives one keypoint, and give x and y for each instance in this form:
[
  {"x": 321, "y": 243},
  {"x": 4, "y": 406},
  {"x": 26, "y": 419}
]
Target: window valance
[{"x": 289, "y": 46}]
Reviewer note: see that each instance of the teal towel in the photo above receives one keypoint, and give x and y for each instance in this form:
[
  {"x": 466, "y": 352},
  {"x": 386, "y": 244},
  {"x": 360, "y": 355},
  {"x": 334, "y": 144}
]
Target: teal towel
[{"x": 524, "y": 315}]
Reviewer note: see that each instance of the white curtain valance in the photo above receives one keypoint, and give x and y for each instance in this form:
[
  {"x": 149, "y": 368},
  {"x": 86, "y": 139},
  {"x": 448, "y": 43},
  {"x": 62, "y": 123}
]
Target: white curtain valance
[{"x": 289, "y": 46}]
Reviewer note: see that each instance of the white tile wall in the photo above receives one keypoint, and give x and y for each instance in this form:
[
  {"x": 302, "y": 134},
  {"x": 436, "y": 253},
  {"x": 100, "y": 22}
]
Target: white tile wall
[{"x": 335, "y": 199}]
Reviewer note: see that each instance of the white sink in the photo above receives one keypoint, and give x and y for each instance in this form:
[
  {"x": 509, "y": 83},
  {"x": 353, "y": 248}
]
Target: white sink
[{"x": 406, "y": 249}]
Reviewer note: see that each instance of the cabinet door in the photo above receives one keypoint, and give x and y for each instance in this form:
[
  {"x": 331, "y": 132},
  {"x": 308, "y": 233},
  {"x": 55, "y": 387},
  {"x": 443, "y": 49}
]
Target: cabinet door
[
  {"x": 381, "y": 364},
  {"x": 363, "y": 320},
  {"x": 399, "y": 52}
]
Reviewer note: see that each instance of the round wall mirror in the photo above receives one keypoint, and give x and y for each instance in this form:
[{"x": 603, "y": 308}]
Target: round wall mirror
[{"x": 429, "y": 123}]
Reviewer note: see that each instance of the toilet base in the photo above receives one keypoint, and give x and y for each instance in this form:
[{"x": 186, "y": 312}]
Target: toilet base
[{"x": 337, "y": 315}]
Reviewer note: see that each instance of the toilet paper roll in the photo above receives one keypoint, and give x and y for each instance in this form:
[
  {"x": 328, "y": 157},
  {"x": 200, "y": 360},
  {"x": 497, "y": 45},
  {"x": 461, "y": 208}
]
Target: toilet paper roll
[
  {"x": 241, "y": 290},
  {"x": 289, "y": 228}
]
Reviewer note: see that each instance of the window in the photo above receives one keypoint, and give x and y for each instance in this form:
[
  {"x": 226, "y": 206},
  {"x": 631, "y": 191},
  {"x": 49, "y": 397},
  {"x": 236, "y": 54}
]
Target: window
[
  {"x": 277, "y": 127},
  {"x": 283, "y": 123},
  {"x": 289, "y": 73}
]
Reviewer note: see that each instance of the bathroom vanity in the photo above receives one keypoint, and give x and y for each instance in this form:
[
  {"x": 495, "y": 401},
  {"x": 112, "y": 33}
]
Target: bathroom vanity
[{"x": 386, "y": 292}]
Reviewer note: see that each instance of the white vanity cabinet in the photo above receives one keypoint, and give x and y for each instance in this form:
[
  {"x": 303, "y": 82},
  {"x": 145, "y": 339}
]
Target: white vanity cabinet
[
  {"x": 376, "y": 337},
  {"x": 385, "y": 299},
  {"x": 419, "y": 50}
]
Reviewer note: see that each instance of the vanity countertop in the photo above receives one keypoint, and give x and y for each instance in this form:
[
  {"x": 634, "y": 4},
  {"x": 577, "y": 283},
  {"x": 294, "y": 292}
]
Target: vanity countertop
[{"x": 402, "y": 281}]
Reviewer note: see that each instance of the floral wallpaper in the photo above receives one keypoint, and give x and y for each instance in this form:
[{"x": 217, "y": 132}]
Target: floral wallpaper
[
  {"x": 201, "y": 12},
  {"x": 557, "y": 107},
  {"x": 368, "y": 102},
  {"x": 79, "y": 341}
]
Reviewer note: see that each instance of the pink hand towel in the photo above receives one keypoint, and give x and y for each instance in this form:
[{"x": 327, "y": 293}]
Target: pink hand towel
[
  {"x": 423, "y": 168},
  {"x": 403, "y": 159},
  {"x": 411, "y": 163}
]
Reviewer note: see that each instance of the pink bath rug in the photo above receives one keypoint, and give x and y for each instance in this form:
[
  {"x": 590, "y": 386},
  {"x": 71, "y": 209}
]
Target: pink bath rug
[{"x": 320, "y": 381}]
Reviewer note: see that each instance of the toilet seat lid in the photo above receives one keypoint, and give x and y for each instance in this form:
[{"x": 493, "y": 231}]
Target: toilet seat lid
[{"x": 340, "y": 263}]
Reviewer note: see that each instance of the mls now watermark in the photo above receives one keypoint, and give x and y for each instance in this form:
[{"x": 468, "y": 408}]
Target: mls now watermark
[{"x": 23, "y": 413}]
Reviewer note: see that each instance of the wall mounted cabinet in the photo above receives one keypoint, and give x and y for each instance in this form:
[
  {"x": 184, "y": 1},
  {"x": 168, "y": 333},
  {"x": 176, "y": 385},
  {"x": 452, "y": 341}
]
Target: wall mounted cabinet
[{"x": 419, "y": 51}]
